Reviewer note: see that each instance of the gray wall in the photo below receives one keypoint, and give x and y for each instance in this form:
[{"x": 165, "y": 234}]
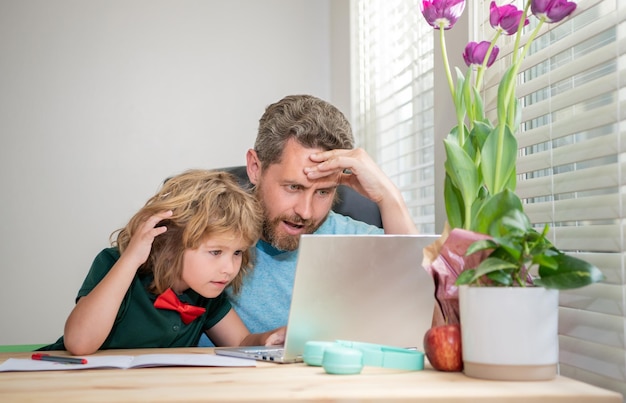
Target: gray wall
[{"x": 100, "y": 100}]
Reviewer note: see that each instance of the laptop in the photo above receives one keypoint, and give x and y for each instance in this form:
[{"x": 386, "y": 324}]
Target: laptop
[{"x": 366, "y": 288}]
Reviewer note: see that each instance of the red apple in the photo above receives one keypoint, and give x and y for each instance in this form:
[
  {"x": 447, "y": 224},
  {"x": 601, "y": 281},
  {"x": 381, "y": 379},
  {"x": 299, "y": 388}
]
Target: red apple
[{"x": 442, "y": 346}]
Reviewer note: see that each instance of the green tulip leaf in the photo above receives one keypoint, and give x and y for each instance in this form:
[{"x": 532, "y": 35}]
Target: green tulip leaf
[
  {"x": 504, "y": 92},
  {"x": 514, "y": 222},
  {"x": 462, "y": 172},
  {"x": 454, "y": 204},
  {"x": 467, "y": 96},
  {"x": 459, "y": 104},
  {"x": 499, "y": 155},
  {"x": 479, "y": 109},
  {"x": 478, "y": 135},
  {"x": 494, "y": 208},
  {"x": 512, "y": 183},
  {"x": 515, "y": 115},
  {"x": 454, "y": 134},
  {"x": 458, "y": 164}
]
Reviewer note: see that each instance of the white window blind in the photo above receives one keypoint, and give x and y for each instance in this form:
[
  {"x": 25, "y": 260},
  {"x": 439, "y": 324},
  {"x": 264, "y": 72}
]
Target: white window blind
[
  {"x": 393, "y": 112},
  {"x": 572, "y": 157}
]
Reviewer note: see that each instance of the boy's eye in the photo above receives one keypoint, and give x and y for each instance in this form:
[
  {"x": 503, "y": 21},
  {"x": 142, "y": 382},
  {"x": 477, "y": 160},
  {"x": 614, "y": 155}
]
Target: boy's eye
[
  {"x": 238, "y": 252},
  {"x": 215, "y": 252}
]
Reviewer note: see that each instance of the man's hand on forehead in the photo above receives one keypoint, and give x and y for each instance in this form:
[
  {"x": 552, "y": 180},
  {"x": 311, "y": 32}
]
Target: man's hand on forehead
[
  {"x": 332, "y": 162},
  {"x": 354, "y": 168}
]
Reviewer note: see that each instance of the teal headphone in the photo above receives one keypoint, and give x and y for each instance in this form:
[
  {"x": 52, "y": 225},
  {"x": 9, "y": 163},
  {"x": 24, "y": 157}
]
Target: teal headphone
[{"x": 349, "y": 357}]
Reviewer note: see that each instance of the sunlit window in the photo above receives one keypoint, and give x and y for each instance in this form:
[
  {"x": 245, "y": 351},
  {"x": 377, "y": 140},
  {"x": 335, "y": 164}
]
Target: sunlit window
[{"x": 394, "y": 99}]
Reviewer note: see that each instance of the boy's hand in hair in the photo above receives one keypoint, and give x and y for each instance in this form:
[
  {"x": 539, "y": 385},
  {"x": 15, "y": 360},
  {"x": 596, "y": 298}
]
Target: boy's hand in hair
[{"x": 140, "y": 243}]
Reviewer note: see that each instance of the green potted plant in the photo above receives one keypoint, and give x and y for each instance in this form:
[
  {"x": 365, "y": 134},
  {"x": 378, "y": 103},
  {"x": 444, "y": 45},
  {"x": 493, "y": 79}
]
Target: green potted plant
[{"x": 516, "y": 260}]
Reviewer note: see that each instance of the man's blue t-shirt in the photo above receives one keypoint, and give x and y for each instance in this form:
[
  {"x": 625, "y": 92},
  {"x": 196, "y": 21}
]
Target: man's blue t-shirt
[{"x": 264, "y": 300}]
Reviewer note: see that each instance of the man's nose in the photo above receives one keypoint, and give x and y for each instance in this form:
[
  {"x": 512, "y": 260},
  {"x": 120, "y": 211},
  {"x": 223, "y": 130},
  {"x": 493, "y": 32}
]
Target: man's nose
[{"x": 304, "y": 206}]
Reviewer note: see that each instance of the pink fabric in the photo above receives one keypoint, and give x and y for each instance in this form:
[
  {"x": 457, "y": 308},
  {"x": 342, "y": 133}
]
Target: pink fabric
[{"x": 447, "y": 260}]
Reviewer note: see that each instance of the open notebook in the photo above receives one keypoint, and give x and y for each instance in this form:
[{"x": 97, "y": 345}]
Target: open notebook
[
  {"x": 368, "y": 288},
  {"x": 126, "y": 362}
]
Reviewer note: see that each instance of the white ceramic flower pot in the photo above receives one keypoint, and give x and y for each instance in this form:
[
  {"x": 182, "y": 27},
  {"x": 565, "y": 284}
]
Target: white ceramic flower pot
[{"x": 509, "y": 333}]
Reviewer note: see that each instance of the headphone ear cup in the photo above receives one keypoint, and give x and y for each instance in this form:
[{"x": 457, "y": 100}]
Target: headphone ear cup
[
  {"x": 340, "y": 360},
  {"x": 314, "y": 352}
]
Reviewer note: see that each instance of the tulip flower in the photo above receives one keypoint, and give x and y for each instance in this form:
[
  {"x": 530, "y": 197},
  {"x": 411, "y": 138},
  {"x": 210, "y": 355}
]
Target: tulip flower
[
  {"x": 475, "y": 53},
  {"x": 506, "y": 18},
  {"x": 442, "y": 13},
  {"x": 552, "y": 10}
]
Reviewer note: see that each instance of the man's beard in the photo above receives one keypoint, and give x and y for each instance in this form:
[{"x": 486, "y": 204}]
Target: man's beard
[
  {"x": 284, "y": 241},
  {"x": 281, "y": 240}
]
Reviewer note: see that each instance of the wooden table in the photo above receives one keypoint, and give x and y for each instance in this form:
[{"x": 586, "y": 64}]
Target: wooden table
[{"x": 269, "y": 382}]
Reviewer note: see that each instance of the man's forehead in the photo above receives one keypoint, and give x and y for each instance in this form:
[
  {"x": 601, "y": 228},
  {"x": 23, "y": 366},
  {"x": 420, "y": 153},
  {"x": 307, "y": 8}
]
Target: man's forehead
[
  {"x": 295, "y": 153},
  {"x": 294, "y": 174}
]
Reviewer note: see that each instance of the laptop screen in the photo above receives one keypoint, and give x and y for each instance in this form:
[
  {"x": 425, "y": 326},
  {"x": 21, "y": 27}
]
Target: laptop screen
[{"x": 366, "y": 288}]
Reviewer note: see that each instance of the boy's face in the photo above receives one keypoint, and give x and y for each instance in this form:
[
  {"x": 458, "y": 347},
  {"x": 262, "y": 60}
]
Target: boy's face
[
  {"x": 213, "y": 265},
  {"x": 292, "y": 204}
]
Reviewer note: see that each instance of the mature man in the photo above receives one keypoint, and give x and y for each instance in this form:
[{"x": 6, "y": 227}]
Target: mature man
[{"x": 304, "y": 149}]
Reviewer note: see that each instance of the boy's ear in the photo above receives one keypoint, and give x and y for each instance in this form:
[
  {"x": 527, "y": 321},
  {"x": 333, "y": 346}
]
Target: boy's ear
[{"x": 253, "y": 166}]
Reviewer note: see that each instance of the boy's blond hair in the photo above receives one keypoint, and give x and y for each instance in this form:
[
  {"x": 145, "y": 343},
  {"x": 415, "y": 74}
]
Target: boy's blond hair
[{"x": 204, "y": 203}]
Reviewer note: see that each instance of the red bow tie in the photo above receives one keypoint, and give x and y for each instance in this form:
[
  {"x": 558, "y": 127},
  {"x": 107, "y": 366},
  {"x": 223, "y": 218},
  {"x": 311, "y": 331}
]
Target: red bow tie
[{"x": 169, "y": 300}]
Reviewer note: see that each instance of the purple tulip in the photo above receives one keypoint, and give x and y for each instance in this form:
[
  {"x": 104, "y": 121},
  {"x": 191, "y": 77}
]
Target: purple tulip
[
  {"x": 506, "y": 17},
  {"x": 442, "y": 12},
  {"x": 552, "y": 10},
  {"x": 475, "y": 53}
]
